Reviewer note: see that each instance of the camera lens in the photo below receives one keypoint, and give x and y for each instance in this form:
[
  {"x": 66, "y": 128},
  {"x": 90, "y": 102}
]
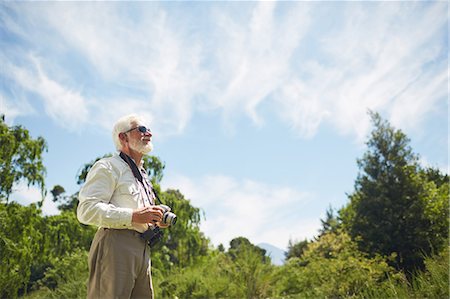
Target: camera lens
[{"x": 169, "y": 218}]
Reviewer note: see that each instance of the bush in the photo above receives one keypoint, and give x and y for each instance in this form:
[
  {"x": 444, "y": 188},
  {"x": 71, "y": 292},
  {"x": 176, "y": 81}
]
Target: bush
[
  {"x": 433, "y": 282},
  {"x": 66, "y": 278},
  {"x": 219, "y": 275},
  {"x": 332, "y": 267}
]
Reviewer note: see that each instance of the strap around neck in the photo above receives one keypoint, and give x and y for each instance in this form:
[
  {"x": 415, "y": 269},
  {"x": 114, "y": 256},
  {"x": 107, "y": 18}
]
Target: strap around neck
[{"x": 136, "y": 172}]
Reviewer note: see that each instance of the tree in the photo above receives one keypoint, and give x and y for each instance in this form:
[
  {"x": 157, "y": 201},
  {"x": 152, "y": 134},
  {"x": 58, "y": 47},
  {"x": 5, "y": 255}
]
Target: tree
[
  {"x": 21, "y": 158},
  {"x": 241, "y": 244},
  {"x": 183, "y": 242},
  {"x": 296, "y": 249},
  {"x": 250, "y": 270},
  {"x": 20, "y": 239},
  {"x": 394, "y": 208},
  {"x": 330, "y": 223}
]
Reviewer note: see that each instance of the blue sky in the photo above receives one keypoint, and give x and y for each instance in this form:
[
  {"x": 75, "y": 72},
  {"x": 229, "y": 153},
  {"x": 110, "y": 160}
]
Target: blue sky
[{"x": 259, "y": 109}]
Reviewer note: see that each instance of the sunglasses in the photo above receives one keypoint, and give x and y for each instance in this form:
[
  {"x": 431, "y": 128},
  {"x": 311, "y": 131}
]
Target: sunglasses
[{"x": 142, "y": 129}]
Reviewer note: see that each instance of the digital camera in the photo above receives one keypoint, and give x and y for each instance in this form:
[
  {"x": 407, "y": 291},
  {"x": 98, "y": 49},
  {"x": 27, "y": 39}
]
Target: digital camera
[
  {"x": 154, "y": 233},
  {"x": 168, "y": 217}
]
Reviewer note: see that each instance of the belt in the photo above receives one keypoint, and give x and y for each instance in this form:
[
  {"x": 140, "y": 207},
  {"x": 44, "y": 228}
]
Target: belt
[{"x": 131, "y": 231}]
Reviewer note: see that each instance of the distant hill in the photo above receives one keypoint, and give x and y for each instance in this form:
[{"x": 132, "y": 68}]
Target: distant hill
[{"x": 275, "y": 253}]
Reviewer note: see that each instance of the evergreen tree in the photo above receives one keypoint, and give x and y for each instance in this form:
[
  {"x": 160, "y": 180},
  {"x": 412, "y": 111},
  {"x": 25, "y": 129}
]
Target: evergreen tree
[
  {"x": 296, "y": 249},
  {"x": 394, "y": 207},
  {"x": 330, "y": 223}
]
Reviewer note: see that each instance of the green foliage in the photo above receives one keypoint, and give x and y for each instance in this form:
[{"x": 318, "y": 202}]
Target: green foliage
[
  {"x": 296, "y": 249},
  {"x": 331, "y": 222},
  {"x": 20, "y": 239},
  {"x": 32, "y": 243},
  {"x": 204, "y": 279},
  {"x": 154, "y": 167},
  {"x": 241, "y": 245},
  {"x": 250, "y": 271},
  {"x": 67, "y": 278},
  {"x": 239, "y": 273},
  {"x": 332, "y": 267},
  {"x": 20, "y": 159},
  {"x": 182, "y": 242},
  {"x": 66, "y": 202},
  {"x": 395, "y": 208},
  {"x": 433, "y": 282}
]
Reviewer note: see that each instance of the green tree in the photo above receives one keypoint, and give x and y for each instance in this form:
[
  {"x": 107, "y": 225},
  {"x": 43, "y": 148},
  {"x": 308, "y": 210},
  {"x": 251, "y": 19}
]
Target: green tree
[
  {"x": 250, "y": 271},
  {"x": 296, "y": 249},
  {"x": 394, "y": 208},
  {"x": 20, "y": 239},
  {"x": 331, "y": 222},
  {"x": 20, "y": 159},
  {"x": 241, "y": 244},
  {"x": 183, "y": 242},
  {"x": 30, "y": 246},
  {"x": 66, "y": 202}
]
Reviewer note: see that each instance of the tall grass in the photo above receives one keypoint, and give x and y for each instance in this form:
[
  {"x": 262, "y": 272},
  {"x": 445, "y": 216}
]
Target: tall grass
[{"x": 431, "y": 283}]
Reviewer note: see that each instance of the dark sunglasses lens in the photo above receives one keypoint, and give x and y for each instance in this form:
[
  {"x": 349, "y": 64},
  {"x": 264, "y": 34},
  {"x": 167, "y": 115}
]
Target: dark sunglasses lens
[{"x": 143, "y": 129}]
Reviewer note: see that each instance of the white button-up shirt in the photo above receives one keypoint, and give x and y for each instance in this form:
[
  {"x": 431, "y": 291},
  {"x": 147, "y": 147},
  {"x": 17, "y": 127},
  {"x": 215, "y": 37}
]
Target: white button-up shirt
[{"x": 110, "y": 194}]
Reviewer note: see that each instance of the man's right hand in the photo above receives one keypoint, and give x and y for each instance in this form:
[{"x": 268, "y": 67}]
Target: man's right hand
[{"x": 147, "y": 215}]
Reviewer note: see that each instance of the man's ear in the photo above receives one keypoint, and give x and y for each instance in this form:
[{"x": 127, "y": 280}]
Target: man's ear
[{"x": 123, "y": 137}]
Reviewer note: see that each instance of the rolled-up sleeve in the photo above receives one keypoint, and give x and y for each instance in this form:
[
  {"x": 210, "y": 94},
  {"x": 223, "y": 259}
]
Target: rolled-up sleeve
[{"x": 94, "y": 205}]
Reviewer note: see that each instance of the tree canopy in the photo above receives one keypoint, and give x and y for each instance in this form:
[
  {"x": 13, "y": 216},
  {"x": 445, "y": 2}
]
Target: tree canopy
[{"x": 20, "y": 159}]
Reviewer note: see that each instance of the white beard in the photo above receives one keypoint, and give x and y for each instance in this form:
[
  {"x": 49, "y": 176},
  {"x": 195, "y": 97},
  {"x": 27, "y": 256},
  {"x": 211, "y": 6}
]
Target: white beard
[{"x": 141, "y": 147}]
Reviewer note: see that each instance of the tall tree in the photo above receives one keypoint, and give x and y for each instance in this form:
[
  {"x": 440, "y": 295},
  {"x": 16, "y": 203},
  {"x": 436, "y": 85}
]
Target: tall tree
[
  {"x": 241, "y": 244},
  {"x": 393, "y": 208},
  {"x": 330, "y": 223},
  {"x": 20, "y": 159},
  {"x": 296, "y": 249}
]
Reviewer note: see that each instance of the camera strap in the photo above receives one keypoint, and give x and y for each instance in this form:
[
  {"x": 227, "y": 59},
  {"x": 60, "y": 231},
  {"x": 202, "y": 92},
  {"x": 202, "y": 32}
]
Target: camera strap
[{"x": 138, "y": 175}]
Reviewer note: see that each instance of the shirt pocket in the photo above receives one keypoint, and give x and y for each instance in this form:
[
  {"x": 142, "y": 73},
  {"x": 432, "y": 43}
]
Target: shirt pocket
[{"x": 129, "y": 193}]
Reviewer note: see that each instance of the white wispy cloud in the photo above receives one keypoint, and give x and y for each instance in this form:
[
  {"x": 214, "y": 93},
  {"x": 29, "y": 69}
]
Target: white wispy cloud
[
  {"x": 376, "y": 56},
  {"x": 11, "y": 110},
  {"x": 259, "y": 212},
  {"x": 389, "y": 49},
  {"x": 65, "y": 106},
  {"x": 253, "y": 56}
]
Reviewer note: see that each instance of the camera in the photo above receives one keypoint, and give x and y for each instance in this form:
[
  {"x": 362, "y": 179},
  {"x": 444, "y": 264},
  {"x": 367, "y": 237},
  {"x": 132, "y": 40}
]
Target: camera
[
  {"x": 168, "y": 217},
  {"x": 154, "y": 233}
]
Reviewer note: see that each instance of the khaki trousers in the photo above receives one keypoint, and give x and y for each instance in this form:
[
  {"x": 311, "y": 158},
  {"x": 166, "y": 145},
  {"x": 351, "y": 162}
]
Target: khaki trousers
[{"x": 119, "y": 266}]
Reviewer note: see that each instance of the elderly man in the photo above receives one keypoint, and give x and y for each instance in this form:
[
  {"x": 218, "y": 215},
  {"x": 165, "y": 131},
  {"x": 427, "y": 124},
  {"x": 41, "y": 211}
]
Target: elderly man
[{"x": 118, "y": 198}]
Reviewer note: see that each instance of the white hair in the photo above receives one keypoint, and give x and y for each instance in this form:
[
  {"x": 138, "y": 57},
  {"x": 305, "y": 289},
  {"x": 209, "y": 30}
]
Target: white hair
[{"x": 124, "y": 124}]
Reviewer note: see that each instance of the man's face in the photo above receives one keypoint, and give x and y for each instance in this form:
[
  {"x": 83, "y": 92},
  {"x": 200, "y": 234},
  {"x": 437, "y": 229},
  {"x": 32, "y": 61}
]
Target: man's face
[{"x": 140, "y": 141}]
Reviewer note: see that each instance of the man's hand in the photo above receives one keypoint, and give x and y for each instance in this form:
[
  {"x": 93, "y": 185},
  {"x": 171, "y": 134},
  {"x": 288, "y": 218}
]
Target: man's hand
[
  {"x": 161, "y": 225},
  {"x": 151, "y": 214}
]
